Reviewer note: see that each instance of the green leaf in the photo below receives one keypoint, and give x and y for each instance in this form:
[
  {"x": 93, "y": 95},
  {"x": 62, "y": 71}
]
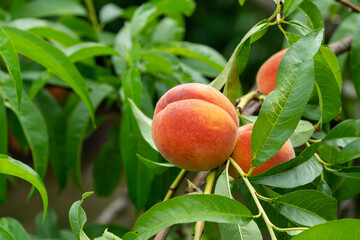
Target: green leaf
[
  {"x": 302, "y": 133},
  {"x": 13, "y": 228},
  {"x": 8, "y": 54},
  {"x": 16, "y": 168},
  {"x": 293, "y": 173},
  {"x": 313, "y": 14},
  {"x": 349, "y": 172},
  {"x": 109, "y": 12},
  {"x": 195, "y": 51},
  {"x": 47, "y": 29},
  {"x": 283, "y": 107},
  {"x": 307, "y": 207},
  {"x": 290, "y": 6},
  {"x": 94, "y": 230},
  {"x": 3, "y": 128},
  {"x": 338, "y": 229},
  {"x": 149, "y": 11},
  {"x": 46, "y": 8},
  {"x": 327, "y": 89},
  {"x": 5, "y": 235},
  {"x": 86, "y": 50},
  {"x": 224, "y": 186},
  {"x": 355, "y": 59},
  {"x": 167, "y": 30},
  {"x": 52, "y": 58},
  {"x": 39, "y": 84},
  {"x": 77, "y": 124},
  {"x": 3, "y": 146},
  {"x": 32, "y": 124},
  {"x": 349, "y": 152},
  {"x": 189, "y": 208},
  {"x": 349, "y": 188},
  {"x": 47, "y": 228},
  {"x": 131, "y": 83},
  {"x": 131, "y": 142},
  {"x": 228, "y": 70},
  {"x": 343, "y": 133},
  {"x": 232, "y": 85},
  {"x": 108, "y": 165},
  {"x": 155, "y": 167},
  {"x": 144, "y": 124},
  {"x": 56, "y": 125},
  {"x": 77, "y": 218},
  {"x": 241, "y": 2}
]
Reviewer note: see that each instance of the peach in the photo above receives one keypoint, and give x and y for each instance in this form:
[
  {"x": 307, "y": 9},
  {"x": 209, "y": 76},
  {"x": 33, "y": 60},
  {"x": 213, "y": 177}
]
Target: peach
[
  {"x": 242, "y": 153},
  {"x": 266, "y": 76},
  {"x": 195, "y": 127}
]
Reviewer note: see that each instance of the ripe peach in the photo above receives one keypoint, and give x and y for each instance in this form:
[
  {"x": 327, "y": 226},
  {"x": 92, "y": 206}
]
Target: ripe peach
[
  {"x": 266, "y": 76},
  {"x": 242, "y": 153},
  {"x": 195, "y": 127}
]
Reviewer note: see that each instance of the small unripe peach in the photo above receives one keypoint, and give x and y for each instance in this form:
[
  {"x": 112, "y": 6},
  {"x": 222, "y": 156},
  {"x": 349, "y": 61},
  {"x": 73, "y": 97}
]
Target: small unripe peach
[
  {"x": 195, "y": 127},
  {"x": 266, "y": 76},
  {"x": 242, "y": 153}
]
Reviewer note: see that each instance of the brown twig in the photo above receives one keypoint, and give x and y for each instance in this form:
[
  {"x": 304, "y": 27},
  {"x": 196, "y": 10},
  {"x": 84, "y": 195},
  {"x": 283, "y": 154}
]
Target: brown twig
[
  {"x": 199, "y": 181},
  {"x": 350, "y": 5},
  {"x": 341, "y": 46}
]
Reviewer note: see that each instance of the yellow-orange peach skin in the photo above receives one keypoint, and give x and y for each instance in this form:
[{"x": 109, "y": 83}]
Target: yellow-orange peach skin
[
  {"x": 195, "y": 127},
  {"x": 242, "y": 153},
  {"x": 266, "y": 76}
]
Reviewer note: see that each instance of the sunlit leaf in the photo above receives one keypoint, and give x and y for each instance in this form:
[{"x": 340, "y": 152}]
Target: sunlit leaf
[{"x": 283, "y": 107}]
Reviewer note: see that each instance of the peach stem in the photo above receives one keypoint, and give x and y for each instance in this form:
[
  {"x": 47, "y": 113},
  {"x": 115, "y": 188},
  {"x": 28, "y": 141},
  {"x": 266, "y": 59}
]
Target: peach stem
[
  {"x": 271, "y": 227},
  {"x": 199, "y": 226},
  {"x": 175, "y": 184}
]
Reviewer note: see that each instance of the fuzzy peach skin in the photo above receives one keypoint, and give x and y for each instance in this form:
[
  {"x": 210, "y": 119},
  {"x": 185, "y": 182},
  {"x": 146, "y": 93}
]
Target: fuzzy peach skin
[
  {"x": 242, "y": 153},
  {"x": 266, "y": 76},
  {"x": 195, "y": 127}
]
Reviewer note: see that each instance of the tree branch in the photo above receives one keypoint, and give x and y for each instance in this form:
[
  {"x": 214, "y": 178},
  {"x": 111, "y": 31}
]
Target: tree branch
[
  {"x": 350, "y": 5},
  {"x": 341, "y": 46}
]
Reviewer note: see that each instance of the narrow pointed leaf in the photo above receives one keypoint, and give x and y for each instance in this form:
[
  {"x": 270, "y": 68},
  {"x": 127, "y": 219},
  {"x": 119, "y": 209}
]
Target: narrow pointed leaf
[
  {"x": 349, "y": 152},
  {"x": 228, "y": 70},
  {"x": 16, "y": 168},
  {"x": 195, "y": 51},
  {"x": 45, "y": 8},
  {"x": 14, "y": 228},
  {"x": 190, "y": 208},
  {"x": 87, "y": 50},
  {"x": 338, "y": 229},
  {"x": 8, "y": 54},
  {"x": 296, "y": 172},
  {"x": 5, "y": 235},
  {"x": 47, "y": 29},
  {"x": 290, "y": 6},
  {"x": 144, "y": 124},
  {"x": 283, "y": 107},
  {"x": 307, "y": 207},
  {"x": 302, "y": 133},
  {"x": 327, "y": 87},
  {"x": 155, "y": 167},
  {"x": 355, "y": 59},
  {"x": 343, "y": 133},
  {"x": 3, "y": 147},
  {"x": 33, "y": 126},
  {"x": 151, "y": 10},
  {"x": 77, "y": 218},
  {"x": 77, "y": 124},
  {"x": 52, "y": 58},
  {"x": 313, "y": 14},
  {"x": 228, "y": 231}
]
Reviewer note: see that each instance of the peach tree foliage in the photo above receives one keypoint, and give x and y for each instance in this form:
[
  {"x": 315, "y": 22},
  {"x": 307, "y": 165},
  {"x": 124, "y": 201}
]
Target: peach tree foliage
[{"x": 118, "y": 76}]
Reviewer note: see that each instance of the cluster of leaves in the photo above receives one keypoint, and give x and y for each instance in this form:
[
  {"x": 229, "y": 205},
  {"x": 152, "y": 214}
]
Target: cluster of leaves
[{"x": 124, "y": 72}]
